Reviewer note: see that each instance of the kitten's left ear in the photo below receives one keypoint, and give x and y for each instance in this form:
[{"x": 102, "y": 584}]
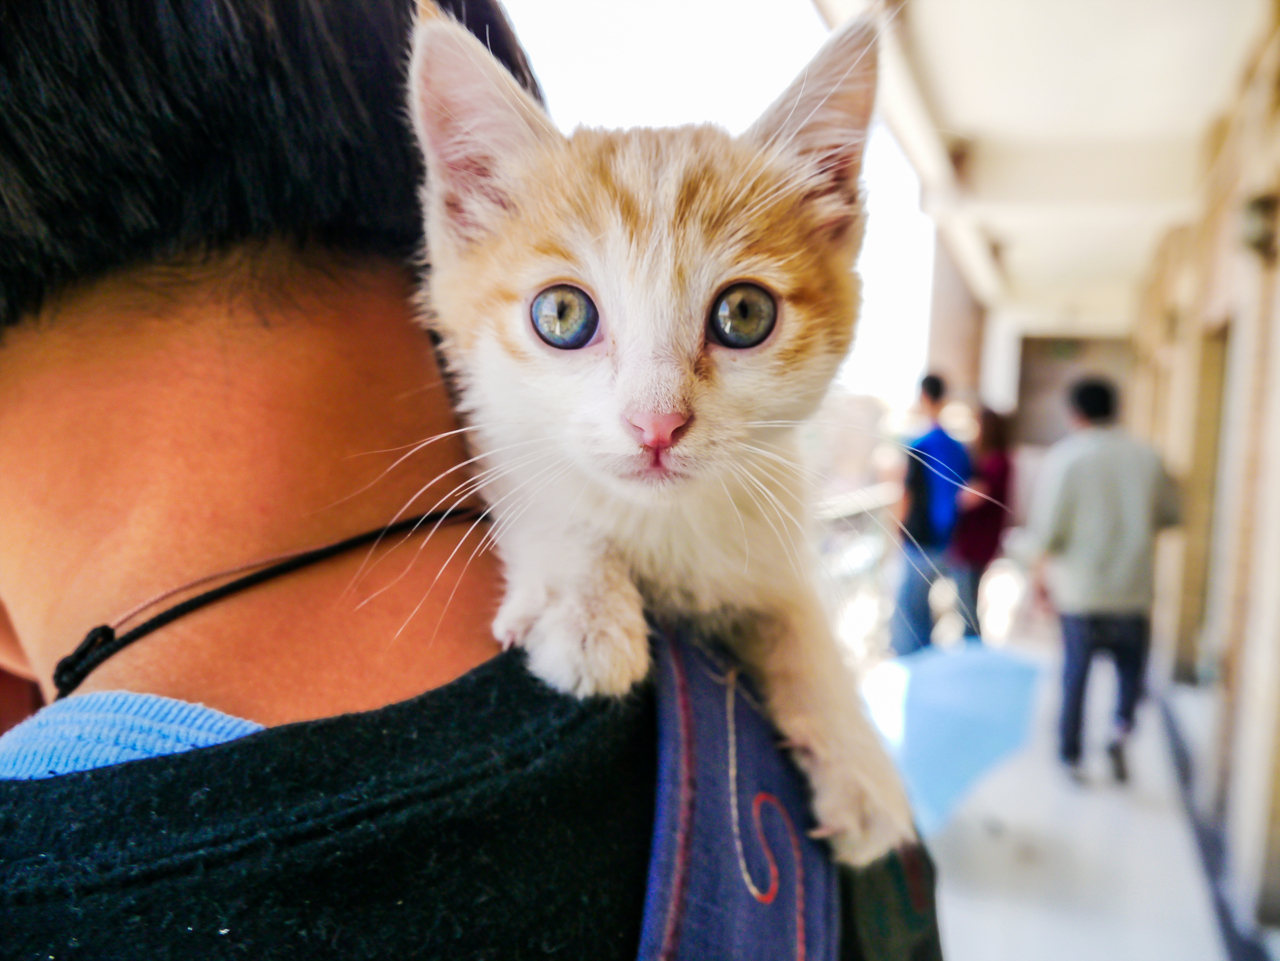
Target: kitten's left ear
[
  {"x": 474, "y": 122},
  {"x": 824, "y": 115}
]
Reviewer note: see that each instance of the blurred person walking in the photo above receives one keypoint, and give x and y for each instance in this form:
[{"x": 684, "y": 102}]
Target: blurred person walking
[
  {"x": 983, "y": 515},
  {"x": 1099, "y": 501},
  {"x": 937, "y": 467}
]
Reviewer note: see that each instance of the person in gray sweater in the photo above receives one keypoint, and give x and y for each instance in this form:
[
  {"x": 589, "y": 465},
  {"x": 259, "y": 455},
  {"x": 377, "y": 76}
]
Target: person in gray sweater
[{"x": 1100, "y": 499}]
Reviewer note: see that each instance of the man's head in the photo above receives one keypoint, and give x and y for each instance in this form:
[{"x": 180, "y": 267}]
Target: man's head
[
  {"x": 933, "y": 391},
  {"x": 1093, "y": 400},
  {"x": 141, "y": 131}
]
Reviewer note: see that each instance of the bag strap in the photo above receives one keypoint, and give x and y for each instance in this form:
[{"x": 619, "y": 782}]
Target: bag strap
[{"x": 733, "y": 872}]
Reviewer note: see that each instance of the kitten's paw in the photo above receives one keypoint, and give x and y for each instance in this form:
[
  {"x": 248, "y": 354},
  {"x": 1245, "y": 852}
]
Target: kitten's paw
[
  {"x": 860, "y": 810},
  {"x": 586, "y": 645},
  {"x": 519, "y": 611}
]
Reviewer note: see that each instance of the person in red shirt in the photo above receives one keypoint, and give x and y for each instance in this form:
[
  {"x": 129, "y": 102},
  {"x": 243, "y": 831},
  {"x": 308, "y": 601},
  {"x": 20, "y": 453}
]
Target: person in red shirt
[{"x": 984, "y": 514}]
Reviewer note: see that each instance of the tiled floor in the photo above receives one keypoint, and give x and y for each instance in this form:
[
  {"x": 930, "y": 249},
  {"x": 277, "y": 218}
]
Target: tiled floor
[{"x": 1035, "y": 868}]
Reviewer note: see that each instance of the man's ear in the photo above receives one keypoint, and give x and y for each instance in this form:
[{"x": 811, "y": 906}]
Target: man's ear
[
  {"x": 823, "y": 117},
  {"x": 474, "y": 122},
  {"x": 12, "y": 657}
]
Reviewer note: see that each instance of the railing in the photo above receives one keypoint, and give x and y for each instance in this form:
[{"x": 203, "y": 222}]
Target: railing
[{"x": 858, "y": 539}]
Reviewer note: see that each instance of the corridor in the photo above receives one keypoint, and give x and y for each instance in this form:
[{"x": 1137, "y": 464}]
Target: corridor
[{"x": 1036, "y": 868}]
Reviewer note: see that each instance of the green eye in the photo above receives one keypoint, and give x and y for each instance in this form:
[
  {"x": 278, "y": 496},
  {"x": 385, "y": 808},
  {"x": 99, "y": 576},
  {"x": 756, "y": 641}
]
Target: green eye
[
  {"x": 743, "y": 316},
  {"x": 565, "y": 317}
]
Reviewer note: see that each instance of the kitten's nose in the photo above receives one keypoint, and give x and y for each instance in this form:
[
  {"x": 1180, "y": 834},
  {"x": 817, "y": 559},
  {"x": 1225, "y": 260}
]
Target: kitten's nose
[{"x": 658, "y": 430}]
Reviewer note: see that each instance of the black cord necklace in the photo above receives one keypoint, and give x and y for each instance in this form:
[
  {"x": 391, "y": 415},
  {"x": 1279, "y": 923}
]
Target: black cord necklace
[{"x": 102, "y": 642}]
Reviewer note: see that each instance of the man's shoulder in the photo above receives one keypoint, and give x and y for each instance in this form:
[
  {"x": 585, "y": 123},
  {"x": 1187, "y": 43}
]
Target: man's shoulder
[
  {"x": 267, "y": 836},
  {"x": 1063, "y": 455},
  {"x": 937, "y": 439},
  {"x": 1115, "y": 442},
  {"x": 1110, "y": 446}
]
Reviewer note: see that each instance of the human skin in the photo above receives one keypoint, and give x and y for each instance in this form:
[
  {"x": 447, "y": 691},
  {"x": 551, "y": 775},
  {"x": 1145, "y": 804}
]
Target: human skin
[{"x": 157, "y": 430}]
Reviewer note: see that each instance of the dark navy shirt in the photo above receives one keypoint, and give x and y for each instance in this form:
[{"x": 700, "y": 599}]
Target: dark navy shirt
[{"x": 489, "y": 819}]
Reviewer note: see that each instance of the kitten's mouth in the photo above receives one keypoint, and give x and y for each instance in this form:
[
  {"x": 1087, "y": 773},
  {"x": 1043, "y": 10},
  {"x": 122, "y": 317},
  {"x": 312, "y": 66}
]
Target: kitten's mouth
[{"x": 657, "y": 467}]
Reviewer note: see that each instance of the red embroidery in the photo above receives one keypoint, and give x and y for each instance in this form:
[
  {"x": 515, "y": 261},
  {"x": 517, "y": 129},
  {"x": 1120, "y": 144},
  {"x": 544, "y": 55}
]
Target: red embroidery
[
  {"x": 675, "y": 907},
  {"x": 766, "y": 897}
]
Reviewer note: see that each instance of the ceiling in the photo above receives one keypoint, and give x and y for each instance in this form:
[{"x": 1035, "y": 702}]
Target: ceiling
[{"x": 1058, "y": 140}]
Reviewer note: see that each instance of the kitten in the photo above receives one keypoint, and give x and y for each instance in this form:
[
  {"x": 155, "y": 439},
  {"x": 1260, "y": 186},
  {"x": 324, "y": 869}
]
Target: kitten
[{"x": 638, "y": 321}]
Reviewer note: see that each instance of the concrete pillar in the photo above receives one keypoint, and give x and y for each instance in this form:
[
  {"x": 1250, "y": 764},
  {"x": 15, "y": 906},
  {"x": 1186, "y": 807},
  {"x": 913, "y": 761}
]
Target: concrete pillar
[{"x": 956, "y": 329}]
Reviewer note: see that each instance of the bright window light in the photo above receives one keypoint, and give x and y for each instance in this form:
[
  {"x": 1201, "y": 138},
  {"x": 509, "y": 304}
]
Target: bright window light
[{"x": 892, "y": 340}]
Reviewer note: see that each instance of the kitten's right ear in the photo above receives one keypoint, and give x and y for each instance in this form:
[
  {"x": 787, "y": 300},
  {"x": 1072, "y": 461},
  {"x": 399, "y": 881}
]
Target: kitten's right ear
[
  {"x": 472, "y": 120},
  {"x": 823, "y": 118}
]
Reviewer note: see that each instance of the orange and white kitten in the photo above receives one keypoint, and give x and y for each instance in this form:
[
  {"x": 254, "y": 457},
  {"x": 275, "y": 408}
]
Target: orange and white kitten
[{"x": 637, "y": 320}]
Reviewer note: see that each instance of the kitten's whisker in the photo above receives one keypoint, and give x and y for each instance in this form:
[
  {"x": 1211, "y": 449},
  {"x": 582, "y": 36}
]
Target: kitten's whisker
[
  {"x": 492, "y": 536},
  {"x": 771, "y": 473},
  {"x": 555, "y": 474},
  {"x": 505, "y": 523},
  {"x": 802, "y": 471},
  {"x": 937, "y": 571},
  {"x": 412, "y": 449},
  {"x": 454, "y": 468},
  {"x": 926, "y": 460},
  {"x": 479, "y": 520},
  {"x": 749, "y": 492},
  {"x": 769, "y": 501},
  {"x": 419, "y": 444},
  {"x": 746, "y": 540},
  {"x": 492, "y": 510},
  {"x": 415, "y": 391},
  {"x": 369, "y": 564},
  {"x": 460, "y": 493}
]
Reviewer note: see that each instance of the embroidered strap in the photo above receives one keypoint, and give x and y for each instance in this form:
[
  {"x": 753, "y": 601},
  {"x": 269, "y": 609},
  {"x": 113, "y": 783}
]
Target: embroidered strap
[{"x": 733, "y": 872}]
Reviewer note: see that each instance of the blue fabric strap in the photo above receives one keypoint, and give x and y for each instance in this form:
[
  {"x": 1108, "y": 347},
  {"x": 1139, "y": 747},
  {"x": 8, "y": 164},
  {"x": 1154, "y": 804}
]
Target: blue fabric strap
[{"x": 733, "y": 872}]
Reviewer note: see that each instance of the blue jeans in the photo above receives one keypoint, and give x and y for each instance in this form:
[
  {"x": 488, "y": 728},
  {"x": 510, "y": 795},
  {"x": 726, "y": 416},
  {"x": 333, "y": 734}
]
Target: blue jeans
[
  {"x": 967, "y": 578},
  {"x": 911, "y": 626},
  {"x": 1127, "y": 638}
]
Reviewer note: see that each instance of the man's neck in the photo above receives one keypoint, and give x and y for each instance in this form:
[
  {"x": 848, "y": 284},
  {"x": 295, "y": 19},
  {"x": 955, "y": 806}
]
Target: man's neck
[{"x": 166, "y": 437}]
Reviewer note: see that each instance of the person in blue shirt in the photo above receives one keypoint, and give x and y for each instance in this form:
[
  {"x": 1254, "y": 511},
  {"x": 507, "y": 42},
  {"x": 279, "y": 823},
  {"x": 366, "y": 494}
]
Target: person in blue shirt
[{"x": 937, "y": 467}]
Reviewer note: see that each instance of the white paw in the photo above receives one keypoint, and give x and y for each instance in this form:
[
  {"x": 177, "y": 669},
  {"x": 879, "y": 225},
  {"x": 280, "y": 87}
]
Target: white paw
[
  {"x": 582, "y": 643},
  {"x": 859, "y": 807},
  {"x": 517, "y": 614}
]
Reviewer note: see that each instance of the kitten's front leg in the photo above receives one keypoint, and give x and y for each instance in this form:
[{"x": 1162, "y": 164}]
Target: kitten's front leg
[
  {"x": 575, "y": 609},
  {"x": 858, "y": 798}
]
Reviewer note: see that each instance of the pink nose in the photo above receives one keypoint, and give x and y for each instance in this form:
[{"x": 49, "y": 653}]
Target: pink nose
[{"x": 658, "y": 430}]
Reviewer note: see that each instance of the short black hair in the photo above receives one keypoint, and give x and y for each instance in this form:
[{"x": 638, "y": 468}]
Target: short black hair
[
  {"x": 134, "y": 131},
  {"x": 1094, "y": 399},
  {"x": 933, "y": 387}
]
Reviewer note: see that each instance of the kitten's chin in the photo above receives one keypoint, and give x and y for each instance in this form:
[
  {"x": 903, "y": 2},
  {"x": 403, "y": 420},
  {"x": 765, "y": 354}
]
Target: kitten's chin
[
  {"x": 651, "y": 484},
  {"x": 658, "y": 474}
]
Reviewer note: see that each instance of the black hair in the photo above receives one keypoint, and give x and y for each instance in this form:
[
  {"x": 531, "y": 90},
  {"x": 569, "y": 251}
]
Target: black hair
[
  {"x": 134, "y": 131},
  {"x": 1094, "y": 399},
  {"x": 993, "y": 431},
  {"x": 933, "y": 387}
]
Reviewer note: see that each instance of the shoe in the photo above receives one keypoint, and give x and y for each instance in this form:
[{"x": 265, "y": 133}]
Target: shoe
[
  {"x": 1119, "y": 767},
  {"x": 1075, "y": 771}
]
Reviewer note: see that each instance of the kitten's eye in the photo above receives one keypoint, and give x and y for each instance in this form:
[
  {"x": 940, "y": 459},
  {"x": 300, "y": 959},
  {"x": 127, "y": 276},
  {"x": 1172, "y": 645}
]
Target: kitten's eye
[
  {"x": 564, "y": 317},
  {"x": 743, "y": 316}
]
